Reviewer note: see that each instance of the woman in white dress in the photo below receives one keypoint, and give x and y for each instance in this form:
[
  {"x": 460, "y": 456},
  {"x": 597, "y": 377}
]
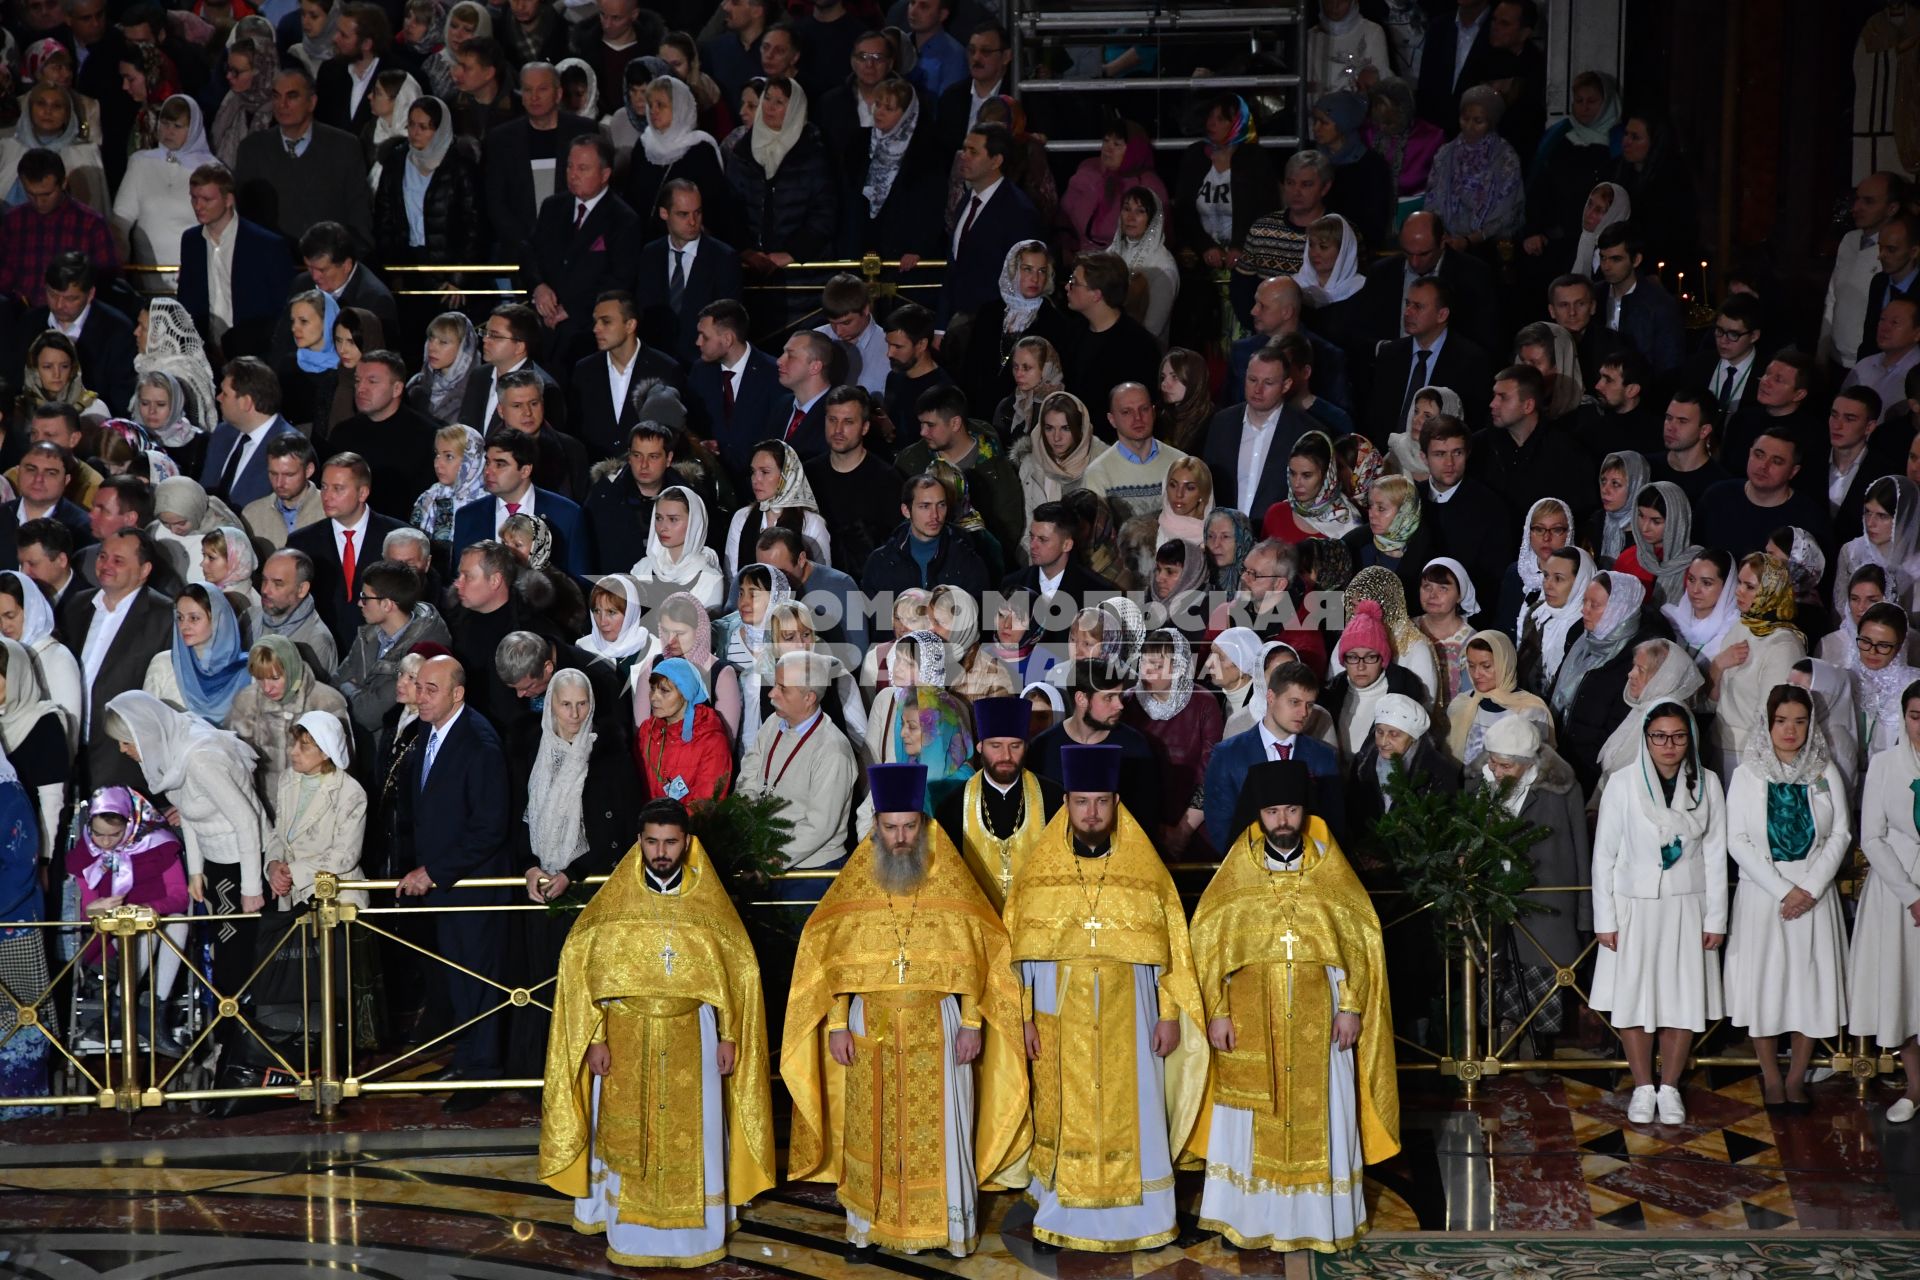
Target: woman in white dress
[
  {"x": 1883, "y": 967},
  {"x": 1788, "y": 828},
  {"x": 678, "y": 557},
  {"x": 1757, "y": 653},
  {"x": 151, "y": 210},
  {"x": 781, "y": 495},
  {"x": 1660, "y": 907}
]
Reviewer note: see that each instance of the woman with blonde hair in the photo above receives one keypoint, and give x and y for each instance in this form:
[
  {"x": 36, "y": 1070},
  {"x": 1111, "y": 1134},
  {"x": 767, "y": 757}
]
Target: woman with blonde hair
[
  {"x": 1037, "y": 378},
  {"x": 1186, "y": 496},
  {"x": 1394, "y": 537},
  {"x": 459, "y": 461},
  {"x": 452, "y": 350}
]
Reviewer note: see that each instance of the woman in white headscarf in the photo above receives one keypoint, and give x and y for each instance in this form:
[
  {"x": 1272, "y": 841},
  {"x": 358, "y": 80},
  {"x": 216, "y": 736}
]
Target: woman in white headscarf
[
  {"x": 745, "y": 640},
  {"x": 781, "y": 495},
  {"x": 1607, "y": 204},
  {"x": 27, "y": 619},
  {"x": 1448, "y": 606},
  {"x": 429, "y": 208},
  {"x": 1024, "y": 307},
  {"x": 391, "y": 97},
  {"x": 1141, "y": 241},
  {"x": 1707, "y": 608},
  {"x": 160, "y": 407},
  {"x": 319, "y": 19},
  {"x": 151, "y": 210},
  {"x": 672, "y": 145},
  {"x": 207, "y": 774},
  {"x": 1406, "y": 450},
  {"x": 1890, "y": 516},
  {"x": 896, "y": 212},
  {"x": 783, "y": 178},
  {"x": 619, "y": 635},
  {"x": 581, "y": 811},
  {"x": 173, "y": 346},
  {"x": 186, "y": 513},
  {"x": 1788, "y": 828},
  {"x": 1233, "y": 666},
  {"x": 1548, "y": 628},
  {"x": 972, "y": 672},
  {"x": 1662, "y": 672},
  {"x": 321, "y": 814},
  {"x": 51, "y": 120},
  {"x": 34, "y": 734},
  {"x": 678, "y": 557}
]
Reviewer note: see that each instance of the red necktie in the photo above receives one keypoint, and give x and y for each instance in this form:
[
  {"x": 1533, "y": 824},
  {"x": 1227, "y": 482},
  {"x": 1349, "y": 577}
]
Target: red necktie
[
  {"x": 513, "y": 509},
  {"x": 1283, "y": 751},
  {"x": 726, "y": 395},
  {"x": 793, "y": 423},
  {"x": 346, "y": 564},
  {"x": 973, "y": 211},
  {"x": 579, "y": 215}
]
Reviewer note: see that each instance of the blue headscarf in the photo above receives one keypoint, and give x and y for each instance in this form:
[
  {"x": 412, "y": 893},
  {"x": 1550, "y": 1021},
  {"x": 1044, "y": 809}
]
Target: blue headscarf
[
  {"x": 208, "y": 680},
  {"x": 684, "y": 678},
  {"x": 326, "y": 357}
]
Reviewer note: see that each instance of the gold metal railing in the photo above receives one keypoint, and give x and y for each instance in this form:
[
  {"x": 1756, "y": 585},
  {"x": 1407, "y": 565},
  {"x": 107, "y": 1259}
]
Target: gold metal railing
[{"x": 330, "y": 1070}]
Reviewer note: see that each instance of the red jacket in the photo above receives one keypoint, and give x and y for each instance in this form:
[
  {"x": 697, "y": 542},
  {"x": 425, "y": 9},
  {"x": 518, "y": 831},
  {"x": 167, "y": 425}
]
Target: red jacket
[{"x": 704, "y": 764}]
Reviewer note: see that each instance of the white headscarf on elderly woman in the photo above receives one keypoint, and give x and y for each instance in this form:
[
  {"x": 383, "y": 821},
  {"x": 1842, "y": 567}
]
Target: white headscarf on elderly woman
[
  {"x": 1662, "y": 672},
  {"x": 1514, "y": 739},
  {"x": 1398, "y": 711},
  {"x": 1602, "y": 643},
  {"x": 556, "y": 825},
  {"x": 1406, "y": 450}
]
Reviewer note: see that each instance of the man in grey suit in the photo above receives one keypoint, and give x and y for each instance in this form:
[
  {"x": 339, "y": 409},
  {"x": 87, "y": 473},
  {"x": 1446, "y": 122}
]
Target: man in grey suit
[
  {"x": 303, "y": 172},
  {"x": 114, "y": 630}
]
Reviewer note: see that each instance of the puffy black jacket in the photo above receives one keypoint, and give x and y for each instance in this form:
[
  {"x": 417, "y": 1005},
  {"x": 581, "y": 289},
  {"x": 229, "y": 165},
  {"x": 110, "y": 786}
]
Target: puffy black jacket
[
  {"x": 455, "y": 216},
  {"x": 892, "y": 569},
  {"x": 793, "y": 211}
]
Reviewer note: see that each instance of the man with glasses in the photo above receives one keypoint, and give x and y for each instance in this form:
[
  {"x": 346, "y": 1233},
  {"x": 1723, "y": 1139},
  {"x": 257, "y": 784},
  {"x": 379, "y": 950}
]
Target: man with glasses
[
  {"x": 845, "y": 113},
  {"x": 507, "y": 341},
  {"x": 989, "y": 74},
  {"x": 1269, "y": 603},
  {"x": 395, "y": 619},
  {"x": 1732, "y": 370}
]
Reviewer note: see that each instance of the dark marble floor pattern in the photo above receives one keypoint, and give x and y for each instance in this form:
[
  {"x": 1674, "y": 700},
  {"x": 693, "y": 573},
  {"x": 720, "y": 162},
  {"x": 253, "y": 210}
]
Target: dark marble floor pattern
[{"x": 394, "y": 1190}]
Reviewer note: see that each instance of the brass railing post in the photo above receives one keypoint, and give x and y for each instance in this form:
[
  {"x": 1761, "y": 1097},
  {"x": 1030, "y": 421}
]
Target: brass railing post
[
  {"x": 124, "y": 925},
  {"x": 1468, "y": 1066},
  {"x": 324, "y": 918}
]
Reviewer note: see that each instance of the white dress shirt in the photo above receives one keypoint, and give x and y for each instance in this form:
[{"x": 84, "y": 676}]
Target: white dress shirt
[
  {"x": 985, "y": 198},
  {"x": 246, "y": 444},
  {"x": 688, "y": 252},
  {"x": 731, "y": 374},
  {"x": 359, "y": 84},
  {"x": 107, "y": 621},
  {"x": 1742, "y": 370},
  {"x": 1256, "y": 441},
  {"x": 437, "y": 738},
  {"x": 493, "y": 394},
  {"x": 359, "y": 532},
  {"x": 1268, "y": 742},
  {"x": 618, "y": 380},
  {"x": 220, "y": 250},
  {"x": 501, "y": 515},
  {"x": 70, "y": 330},
  {"x": 1843, "y": 323}
]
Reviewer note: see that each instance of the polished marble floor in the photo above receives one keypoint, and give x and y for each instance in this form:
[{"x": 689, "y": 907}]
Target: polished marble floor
[{"x": 394, "y": 1190}]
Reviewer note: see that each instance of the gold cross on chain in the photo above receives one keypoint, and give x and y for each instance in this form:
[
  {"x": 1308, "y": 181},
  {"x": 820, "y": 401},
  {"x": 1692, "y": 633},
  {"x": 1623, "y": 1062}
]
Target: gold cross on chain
[
  {"x": 667, "y": 953},
  {"x": 900, "y": 963},
  {"x": 1289, "y": 937},
  {"x": 1090, "y": 924}
]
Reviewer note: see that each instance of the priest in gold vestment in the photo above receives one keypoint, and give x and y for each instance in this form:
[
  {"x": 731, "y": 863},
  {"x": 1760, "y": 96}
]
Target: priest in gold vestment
[
  {"x": 1115, "y": 1032},
  {"x": 658, "y": 1114},
  {"x": 902, "y": 1042},
  {"x": 1303, "y": 1092},
  {"x": 1001, "y": 812}
]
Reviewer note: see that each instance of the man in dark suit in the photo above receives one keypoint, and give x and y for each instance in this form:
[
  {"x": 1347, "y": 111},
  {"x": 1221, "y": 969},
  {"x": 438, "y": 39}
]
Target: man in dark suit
[
  {"x": 1519, "y": 455},
  {"x": 682, "y": 272},
  {"x": 1276, "y": 313},
  {"x": 1731, "y": 368},
  {"x": 989, "y": 74},
  {"x": 255, "y": 264},
  {"x": 351, "y": 536},
  {"x": 249, "y": 401},
  {"x": 1899, "y": 250},
  {"x": 1445, "y": 73},
  {"x": 509, "y": 155},
  {"x": 508, "y": 478},
  {"x": 1260, "y": 461},
  {"x": 119, "y": 504},
  {"x": 141, "y": 620},
  {"x": 303, "y": 172},
  {"x": 1291, "y": 692},
  {"x": 1479, "y": 311},
  {"x": 605, "y": 406},
  {"x": 993, "y": 215},
  {"x": 44, "y": 472},
  {"x": 1060, "y": 585},
  {"x": 335, "y": 269},
  {"x": 395, "y": 438},
  {"x": 586, "y": 240},
  {"x": 454, "y": 812},
  {"x": 1433, "y": 354},
  {"x": 361, "y": 39},
  {"x": 733, "y": 387},
  {"x": 1639, "y": 307},
  {"x": 561, "y": 460},
  {"x": 799, "y": 417},
  {"x": 45, "y": 550},
  {"x": 1470, "y": 521},
  {"x": 507, "y": 340},
  {"x": 101, "y": 334}
]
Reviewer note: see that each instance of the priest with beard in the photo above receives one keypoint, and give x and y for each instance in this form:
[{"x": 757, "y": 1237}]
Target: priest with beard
[
  {"x": 1114, "y": 1032},
  {"x": 657, "y": 1116},
  {"x": 902, "y": 1043},
  {"x": 1001, "y": 812},
  {"x": 1302, "y": 1094}
]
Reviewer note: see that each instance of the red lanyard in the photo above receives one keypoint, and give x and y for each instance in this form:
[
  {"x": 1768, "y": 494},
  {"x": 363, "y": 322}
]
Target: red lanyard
[{"x": 767, "y": 767}]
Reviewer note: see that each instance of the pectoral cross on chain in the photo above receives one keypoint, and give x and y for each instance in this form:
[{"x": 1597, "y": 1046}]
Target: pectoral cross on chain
[
  {"x": 900, "y": 964},
  {"x": 1289, "y": 938},
  {"x": 1090, "y": 924},
  {"x": 667, "y": 953}
]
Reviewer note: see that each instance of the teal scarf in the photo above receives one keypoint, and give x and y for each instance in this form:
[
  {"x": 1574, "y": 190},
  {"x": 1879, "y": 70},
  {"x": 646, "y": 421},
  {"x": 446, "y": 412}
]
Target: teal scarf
[{"x": 1790, "y": 829}]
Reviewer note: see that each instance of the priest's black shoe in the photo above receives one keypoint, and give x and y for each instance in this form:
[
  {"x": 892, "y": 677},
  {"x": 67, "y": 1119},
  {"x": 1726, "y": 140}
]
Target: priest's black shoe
[{"x": 858, "y": 1254}]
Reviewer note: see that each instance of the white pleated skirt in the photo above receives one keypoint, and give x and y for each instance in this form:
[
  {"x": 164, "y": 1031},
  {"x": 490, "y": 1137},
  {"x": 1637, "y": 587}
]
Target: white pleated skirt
[
  {"x": 1661, "y": 976},
  {"x": 1883, "y": 968},
  {"x": 1786, "y": 975}
]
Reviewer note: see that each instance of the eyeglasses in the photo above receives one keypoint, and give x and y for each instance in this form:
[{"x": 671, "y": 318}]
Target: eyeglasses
[
  {"x": 1360, "y": 659},
  {"x": 1547, "y": 530},
  {"x": 1676, "y": 739},
  {"x": 1881, "y": 647},
  {"x": 872, "y": 57},
  {"x": 1731, "y": 335},
  {"x": 364, "y": 598}
]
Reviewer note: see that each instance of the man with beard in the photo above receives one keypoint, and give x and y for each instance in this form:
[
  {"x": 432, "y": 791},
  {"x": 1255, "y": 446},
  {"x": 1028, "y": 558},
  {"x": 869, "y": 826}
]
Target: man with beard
[
  {"x": 1303, "y": 1094},
  {"x": 1001, "y": 812},
  {"x": 1101, "y": 941},
  {"x": 287, "y": 607},
  {"x": 657, "y": 1018},
  {"x": 1096, "y": 694},
  {"x": 903, "y": 1012}
]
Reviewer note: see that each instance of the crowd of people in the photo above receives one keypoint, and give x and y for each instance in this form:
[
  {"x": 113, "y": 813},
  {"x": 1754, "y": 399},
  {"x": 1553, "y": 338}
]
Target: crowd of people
[{"x": 283, "y": 593}]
